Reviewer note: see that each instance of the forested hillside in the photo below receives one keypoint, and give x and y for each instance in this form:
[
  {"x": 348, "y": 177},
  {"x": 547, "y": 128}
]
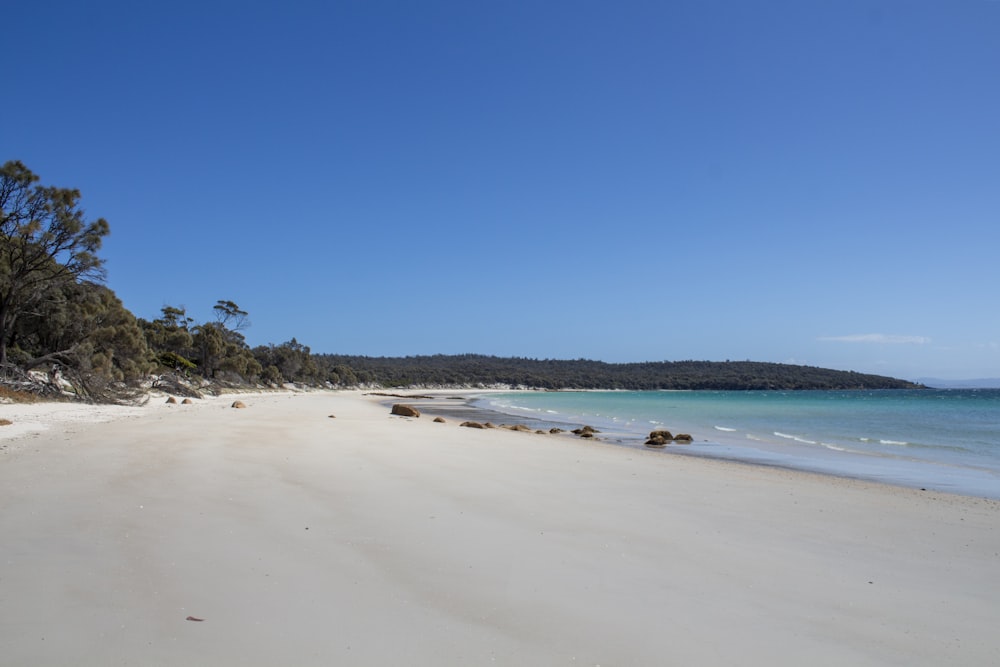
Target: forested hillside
[
  {"x": 63, "y": 332},
  {"x": 472, "y": 369}
]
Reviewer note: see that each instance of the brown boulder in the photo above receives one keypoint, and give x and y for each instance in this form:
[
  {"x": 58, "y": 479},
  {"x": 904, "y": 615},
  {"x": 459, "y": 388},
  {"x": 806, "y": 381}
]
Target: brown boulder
[
  {"x": 472, "y": 425},
  {"x": 187, "y": 401},
  {"x": 660, "y": 434},
  {"x": 405, "y": 410},
  {"x": 440, "y": 420},
  {"x": 656, "y": 441},
  {"x": 683, "y": 438},
  {"x": 585, "y": 429},
  {"x": 171, "y": 400},
  {"x": 239, "y": 404}
]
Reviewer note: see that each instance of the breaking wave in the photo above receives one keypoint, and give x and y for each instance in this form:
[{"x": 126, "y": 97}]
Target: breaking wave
[{"x": 796, "y": 438}]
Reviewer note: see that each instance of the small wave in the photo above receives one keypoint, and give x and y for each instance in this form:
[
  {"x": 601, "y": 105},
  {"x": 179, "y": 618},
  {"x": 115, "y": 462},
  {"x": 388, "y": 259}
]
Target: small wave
[
  {"x": 725, "y": 428},
  {"x": 753, "y": 437},
  {"x": 900, "y": 443},
  {"x": 524, "y": 411},
  {"x": 796, "y": 438},
  {"x": 835, "y": 448}
]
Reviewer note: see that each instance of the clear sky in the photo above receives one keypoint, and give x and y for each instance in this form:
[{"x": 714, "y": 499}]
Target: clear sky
[{"x": 803, "y": 181}]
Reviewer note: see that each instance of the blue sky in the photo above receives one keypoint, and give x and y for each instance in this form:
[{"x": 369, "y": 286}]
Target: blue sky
[{"x": 797, "y": 181}]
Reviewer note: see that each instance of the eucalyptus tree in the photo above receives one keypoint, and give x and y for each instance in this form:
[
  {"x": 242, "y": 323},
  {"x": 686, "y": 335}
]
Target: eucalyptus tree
[
  {"x": 230, "y": 316},
  {"x": 220, "y": 345}
]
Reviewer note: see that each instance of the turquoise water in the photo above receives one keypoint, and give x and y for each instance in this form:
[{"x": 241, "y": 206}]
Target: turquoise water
[{"x": 947, "y": 440}]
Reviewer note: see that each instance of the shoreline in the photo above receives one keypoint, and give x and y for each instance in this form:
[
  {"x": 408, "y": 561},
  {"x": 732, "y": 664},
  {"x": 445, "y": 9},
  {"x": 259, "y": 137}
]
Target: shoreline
[
  {"x": 316, "y": 528},
  {"x": 722, "y": 446},
  {"x": 32, "y": 420},
  {"x": 428, "y": 406}
]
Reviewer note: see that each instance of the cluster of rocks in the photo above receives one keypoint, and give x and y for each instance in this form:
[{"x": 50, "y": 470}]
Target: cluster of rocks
[
  {"x": 403, "y": 410},
  {"x": 510, "y": 427},
  {"x": 661, "y": 438},
  {"x": 187, "y": 401},
  {"x": 173, "y": 401}
]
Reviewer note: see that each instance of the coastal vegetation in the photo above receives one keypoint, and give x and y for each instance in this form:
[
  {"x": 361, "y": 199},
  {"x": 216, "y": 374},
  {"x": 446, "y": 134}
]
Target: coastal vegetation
[
  {"x": 62, "y": 330},
  {"x": 475, "y": 369}
]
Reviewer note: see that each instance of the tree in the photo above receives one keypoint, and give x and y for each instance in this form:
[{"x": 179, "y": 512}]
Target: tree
[
  {"x": 174, "y": 318},
  {"x": 291, "y": 362},
  {"x": 44, "y": 243},
  {"x": 170, "y": 338},
  {"x": 210, "y": 345},
  {"x": 220, "y": 346},
  {"x": 113, "y": 345},
  {"x": 84, "y": 327},
  {"x": 229, "y": 315}
]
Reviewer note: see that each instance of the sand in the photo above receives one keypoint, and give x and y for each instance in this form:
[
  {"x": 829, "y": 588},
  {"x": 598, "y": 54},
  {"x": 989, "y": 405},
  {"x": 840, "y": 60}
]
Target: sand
[{"x": 370, "y": 539}]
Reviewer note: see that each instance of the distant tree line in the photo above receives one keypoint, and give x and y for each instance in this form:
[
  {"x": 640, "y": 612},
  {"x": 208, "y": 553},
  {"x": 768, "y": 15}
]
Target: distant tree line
[
  {"x": 60, "y": 324},
  {"x": 480, "y": 370}
]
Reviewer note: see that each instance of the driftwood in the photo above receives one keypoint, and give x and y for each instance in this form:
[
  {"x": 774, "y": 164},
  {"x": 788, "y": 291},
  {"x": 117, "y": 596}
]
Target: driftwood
[
  {"x": 18, "y": 380},
  {"x": 174, "y": 384}
]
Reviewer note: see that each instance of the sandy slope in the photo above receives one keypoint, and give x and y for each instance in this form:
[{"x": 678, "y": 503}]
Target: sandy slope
[{"x": 371, "y": 540}]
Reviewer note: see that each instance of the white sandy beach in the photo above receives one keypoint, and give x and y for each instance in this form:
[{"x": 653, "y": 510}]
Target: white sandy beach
[{"x": 370, "y": 539}]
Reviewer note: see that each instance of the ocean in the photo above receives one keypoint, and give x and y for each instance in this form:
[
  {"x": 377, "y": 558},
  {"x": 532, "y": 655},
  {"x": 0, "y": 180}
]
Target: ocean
[{"x": 945, "y": 440}]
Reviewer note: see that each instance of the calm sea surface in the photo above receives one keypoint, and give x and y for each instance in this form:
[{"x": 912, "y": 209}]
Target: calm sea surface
[{"x": 947, "y": 440}]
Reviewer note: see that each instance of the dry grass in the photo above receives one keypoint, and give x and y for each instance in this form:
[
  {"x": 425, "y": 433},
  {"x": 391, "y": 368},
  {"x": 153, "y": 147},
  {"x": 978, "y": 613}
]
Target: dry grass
[{"x": 15, "y": 396}]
